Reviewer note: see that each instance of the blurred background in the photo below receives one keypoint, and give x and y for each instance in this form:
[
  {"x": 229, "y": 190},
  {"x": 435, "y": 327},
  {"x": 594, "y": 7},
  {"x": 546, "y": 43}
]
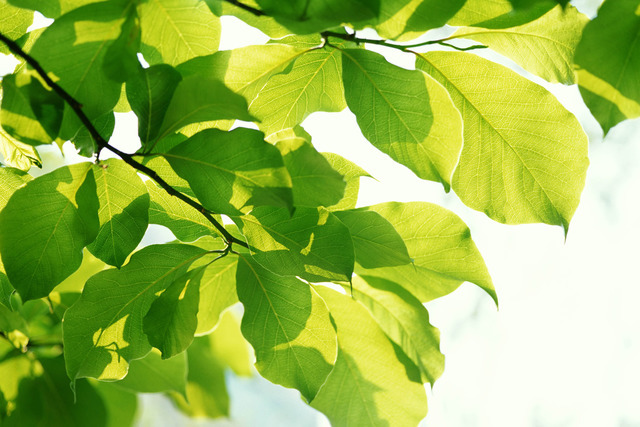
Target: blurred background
[{"x": 564, "y": 348}]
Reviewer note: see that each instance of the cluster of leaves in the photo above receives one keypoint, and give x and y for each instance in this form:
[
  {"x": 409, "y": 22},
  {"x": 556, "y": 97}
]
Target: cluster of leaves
[{"x": 78, "y": 301}]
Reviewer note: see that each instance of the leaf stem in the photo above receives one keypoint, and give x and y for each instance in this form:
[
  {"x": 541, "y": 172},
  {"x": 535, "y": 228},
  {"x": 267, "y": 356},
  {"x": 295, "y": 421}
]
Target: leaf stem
[
  {"x": 403, "y": 47},
  {"x": 102, "y": 143}
]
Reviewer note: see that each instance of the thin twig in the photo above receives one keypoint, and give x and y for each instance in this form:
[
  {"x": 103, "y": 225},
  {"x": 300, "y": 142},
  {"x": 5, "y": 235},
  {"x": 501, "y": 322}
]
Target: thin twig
[
  {"x": 403, "y": 47},
  {"x": 102, "y": 143}
]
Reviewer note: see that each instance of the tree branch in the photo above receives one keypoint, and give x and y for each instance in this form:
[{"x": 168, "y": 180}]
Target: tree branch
[
  {"x": 256, "y": 12},
  {"x": 403, "y": 47},
  {"x": 102, "y": 143}
]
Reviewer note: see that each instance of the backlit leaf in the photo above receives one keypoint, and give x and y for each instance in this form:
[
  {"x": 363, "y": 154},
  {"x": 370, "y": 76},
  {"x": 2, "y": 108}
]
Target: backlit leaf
[
  {"x": 100, "y": 345},
  {"x": 607, "y": 61},
  {"x": 184, "y": 221},
  {"x": 367, "y": 373},
  {"x": 73, "y": 48},
  {"x": 311, "y": 84},
  {"x": 288, "y": 325},
  {"x": 406, "y": 19},
  {"x": 312, "y": 244},
  {"x": 232, "y": 171},
  {"x": 42, "y": 245},
  {"x": 124, "y": 211},
  {"x": 153, "y": 374},
  {"x": 201, "y": 99},
  {"x": 217, "y": 293},
  {"x": 525, "y": 156},
  {"x": 404, "y": 320},
  {"x": 376, "y": 242},
  {"x": 544, "y": 47},
  {"x": 315, "y": 182},
  {"x": 440, "y": 244},
  {"x": 16, "y": 154},
  {"x": 404, "y": 113},
  {"x": 352, "y": 174},
  {"x": 172, "y": 319},
  {"x": 174, "y": 31},
  {"x": 149, "y": 93},
  {"x": 13, "y": 22}
]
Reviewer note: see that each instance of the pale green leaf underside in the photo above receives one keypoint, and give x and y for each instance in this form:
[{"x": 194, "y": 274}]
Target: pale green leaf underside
[
  {"x": 544, "y": 47},
  {"x": 100, "y": 344},
  {"x": 440, "y": 244},
  {"x": 312, "y": 244},
  {"x": 352, "y": 174},
  {"x": 403, "y": 113},
  {"x": 368, "y": 386},
  {"x": 13, "y": 22},
  {"x": 525, "y": 156},
  {"x": 217, "y": 293},
  {"x": 16, "y": 154},
  {"x": 288, "y": 325},
  {"x": 608, "y": 60},
  {"x": 178, "y": 30}
]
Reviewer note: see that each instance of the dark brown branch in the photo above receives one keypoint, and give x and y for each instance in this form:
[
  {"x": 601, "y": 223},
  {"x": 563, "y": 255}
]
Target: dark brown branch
[
  {"x": 102, "y": 143},
  {"x": 256, "y": 12}
]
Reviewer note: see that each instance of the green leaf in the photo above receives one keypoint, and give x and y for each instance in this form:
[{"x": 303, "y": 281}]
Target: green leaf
[
  {"x": 153, "y": 374},
  {"x": 124, "y": 211},
  {"x": 174, "y": 31},
  {"x": 406, "y": 20},
  {"x": 367, "y": 374},
  {"x": 83, "y": 141},
  {"x": 171, "y": 321},
  {"x": 121, "y": 59},
  {"x": 217, "y": 293},
  {"x": 82, "y": 37},
  {"x": 607, "y": 61},
  {"x": 440, "y": 244},
  {"x": 404, "y": 320},
  {"x": 315, "y": 182},
  {"x": 289, "y": 327},
  {"x": 404, "y": 114},
  {"x": 351, "y": 173},
  {"x": 522, "y": 162},
  {"x": 121, "y": 405},
  {"x": 544, "y": 47},
  {"x": 32, "y": 237},
  {"x": 230, "y": 347},
  {"x": 14, "y": 328},
  {"x": 232, "y": 171},
  {"x": 6, "y": 290},
  {"x": 525, "y": 4},
  {"x": 498, "y": 13},
  {"x": 46, "y": 399},
  {"x": 312, "y": 16},
  {"x": 312, "y": 244},
  {"x": 10, "y": 180},
  {"x": 206, "y": 389},
  {"x": 100, "y": 344},
  {"x": 13, "y": 23},
  {"x": 376, "y": 242},
  {"x": 149, "y": 93},
  {"x": 200, "y": 99},
  {"x": 30, "y": 113},
  {"x": 264, "y": 23},
  {"x": 184, "y": 221},
  {"x": 16, "y": 154},
  {"x": 311, "y": 84},
  {"x": 244, "y": 70}
]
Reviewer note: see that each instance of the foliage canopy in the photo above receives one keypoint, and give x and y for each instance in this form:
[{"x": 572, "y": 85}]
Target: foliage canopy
[{"x": 79, "y": 300}]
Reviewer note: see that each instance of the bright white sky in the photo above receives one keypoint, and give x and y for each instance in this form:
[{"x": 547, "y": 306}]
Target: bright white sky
[{"x": 563, "y": 350}]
